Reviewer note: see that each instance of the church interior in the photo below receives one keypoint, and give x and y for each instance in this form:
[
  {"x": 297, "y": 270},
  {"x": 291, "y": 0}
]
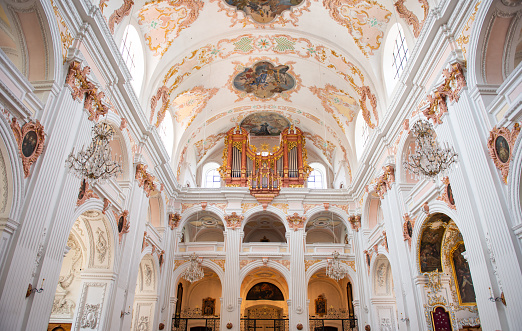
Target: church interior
[{"x": 260, "y": 165}]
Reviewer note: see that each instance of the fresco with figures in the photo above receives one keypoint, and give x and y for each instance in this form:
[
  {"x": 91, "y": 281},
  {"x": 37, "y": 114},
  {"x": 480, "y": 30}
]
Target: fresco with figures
[
  {"x": 462, "y": 276},
  {"x": 263, "y": 11},
  {"x": 265, "y": 124},
  {"x": 263, "y": 79},
  {"x": 430, "y": 246}
]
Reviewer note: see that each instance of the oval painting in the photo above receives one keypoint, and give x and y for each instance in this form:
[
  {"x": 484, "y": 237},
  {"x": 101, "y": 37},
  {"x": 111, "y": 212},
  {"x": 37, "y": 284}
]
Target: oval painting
[
  {"x": 265, "y": 124},
  {"x": 449, "y": 192},
  {"x": 264, "y": 79},
  {"x": 502, "y": 149},
  {"x": 29, "y": 143}
]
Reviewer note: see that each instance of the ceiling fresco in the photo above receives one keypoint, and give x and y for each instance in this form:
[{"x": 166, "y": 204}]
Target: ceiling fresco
[
  {"x": 212, "y": 64},
  {"x": 264, "y": 80},
  {"x": 263, "y": 11},
  {"x": 265, "y": 124}
]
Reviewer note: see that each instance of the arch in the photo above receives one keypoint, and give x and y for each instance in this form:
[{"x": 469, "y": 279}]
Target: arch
[
  {"x": 490, "y": 40},
  {"x": 325, "y": 224},
  {"x": 176, "y": 275},
  {"x": 190, "y": 212},
  {"x": 145, "y": 302},
  {"x": 278, "y": 213},
  {"x": 270, "y": 265},
  {"x": 204, "y": 226},
  {"x": 264, "y": 226},
  {"x": 156, "y": 211},
  {"x": 124, "y": 146},
  {"x": 380, "y": 271},
  {"x": 401, "y": 175}
]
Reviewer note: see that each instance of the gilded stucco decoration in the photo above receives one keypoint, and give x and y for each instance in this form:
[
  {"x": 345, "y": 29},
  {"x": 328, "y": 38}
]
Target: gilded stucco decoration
[
  {"x": 65, "y": 35},
  {"x": 384, "y": 182},
  {"x": 81, "y": 86},
  {"x": 188, "y": 104},
  {"x": 463, "y": 38},
  {"x": 234, "y": 220},
  {"x": 337, "y": 102},
  {"x": 501, "y": 142},
  {"x": 174, "y": 220},
  {"x": 454, "y": 82},
  {"x": 366, "y": 21},
  {"x": 295, "y": 221},
  {"x": 145, "y": 180},
  {"x": 30, "y": 139},
  {"x": 267, "y": 14},
  {"x": 410, "y": 17},
  {"x": 203, "y": 146},
  {"x": 355, "y": 222},
  {"x": 120, "y": 13},
  {"x": 163, "y": 20},
  {"x": 248, "y": 205},
  {"x": 260, "y": 79}
]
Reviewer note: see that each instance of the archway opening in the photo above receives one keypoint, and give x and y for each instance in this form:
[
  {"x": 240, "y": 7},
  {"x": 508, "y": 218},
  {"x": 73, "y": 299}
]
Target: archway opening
[
  {"x": 79, "y": 289},
  {"x": 325, "y": 227},
  {"x": 330, "y": 303},
  {"x": 203, "y": 226},
  {"x": 198, "y": 304},
  {"x": 383, "y": 293},
  {"x": 264, "y": 227},
  {"x": 145, "y": 295},
  {"x": 445, "y": 269},
  {"x": 264, "y": 307}
]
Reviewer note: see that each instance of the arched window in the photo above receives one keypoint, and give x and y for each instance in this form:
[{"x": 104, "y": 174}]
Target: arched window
[
  {"x": 317, "y": 178},
  {"x": 132, "y": 52},
  {"x": 396, "y": 56},
  {"x": 362, "y": 130},
  {"x": 211, "y": 177},
  {"x": 166, "y": 133}
]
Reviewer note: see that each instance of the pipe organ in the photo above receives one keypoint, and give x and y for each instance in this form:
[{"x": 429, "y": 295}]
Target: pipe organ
[{"x": 262, "y": 170}]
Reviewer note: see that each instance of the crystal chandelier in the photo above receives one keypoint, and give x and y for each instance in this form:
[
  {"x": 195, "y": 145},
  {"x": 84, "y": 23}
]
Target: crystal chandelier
[
  {"x": 335, "y": 269},
  {"x": 194, "y": 272},
  {"x": 429, "y": 160},
  {"x": 95, "y": 163}
]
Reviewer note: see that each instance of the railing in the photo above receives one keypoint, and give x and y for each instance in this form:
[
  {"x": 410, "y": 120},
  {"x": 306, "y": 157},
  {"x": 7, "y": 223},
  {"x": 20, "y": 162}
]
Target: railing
[
  {"x": 275, "y": 324},
  {"x": 195, "y": 324},
  {"x": 333, "y": 324}
]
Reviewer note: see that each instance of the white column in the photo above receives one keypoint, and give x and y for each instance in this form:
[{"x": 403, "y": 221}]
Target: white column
[
  {"x": 298, "y": 288},
  {"x": 231, "y": 303}
]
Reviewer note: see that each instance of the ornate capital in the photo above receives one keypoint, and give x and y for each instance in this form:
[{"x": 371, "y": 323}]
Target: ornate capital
[
  {"x": 233, "y": 221},
  {"x": 454, "y": 82},
  {"x": 355, "y": 222},
  {"x": 82, "y": 87},
  {"x": 385, "y": 241},
  {"x": 106, "y": 205},
  {"x": 144, "y": 243},
  {"x": 145, "y": 180},
  {"x": 174, "y": 220},
  {"x": 385, "y": 181},
  {"x": 295, "y": 221},
  {"x": 500, "y": 145},
  {"x": 30, "y": 139}
]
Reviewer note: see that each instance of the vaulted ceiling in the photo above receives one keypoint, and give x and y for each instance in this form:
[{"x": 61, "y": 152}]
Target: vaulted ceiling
[{"x": 323, "y": 60}]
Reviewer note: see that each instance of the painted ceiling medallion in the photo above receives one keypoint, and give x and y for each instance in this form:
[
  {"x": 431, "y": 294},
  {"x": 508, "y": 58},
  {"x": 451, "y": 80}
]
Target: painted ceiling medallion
[
  {"x": 163, "y": 20},
  {"x": 265, "y": 124},
  {"x": 263, "y": 11},
  {"x": 264, "y": 80}
]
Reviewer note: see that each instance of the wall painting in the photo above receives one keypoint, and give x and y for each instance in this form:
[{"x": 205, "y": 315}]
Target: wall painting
[
  {"x": 263, "y": 11},
  {"x": 265, "y": 291},
  {"x": 462, "y": 276},
  {"x": 263, "y": 80},
  {"x": 265, "y": 124}
]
